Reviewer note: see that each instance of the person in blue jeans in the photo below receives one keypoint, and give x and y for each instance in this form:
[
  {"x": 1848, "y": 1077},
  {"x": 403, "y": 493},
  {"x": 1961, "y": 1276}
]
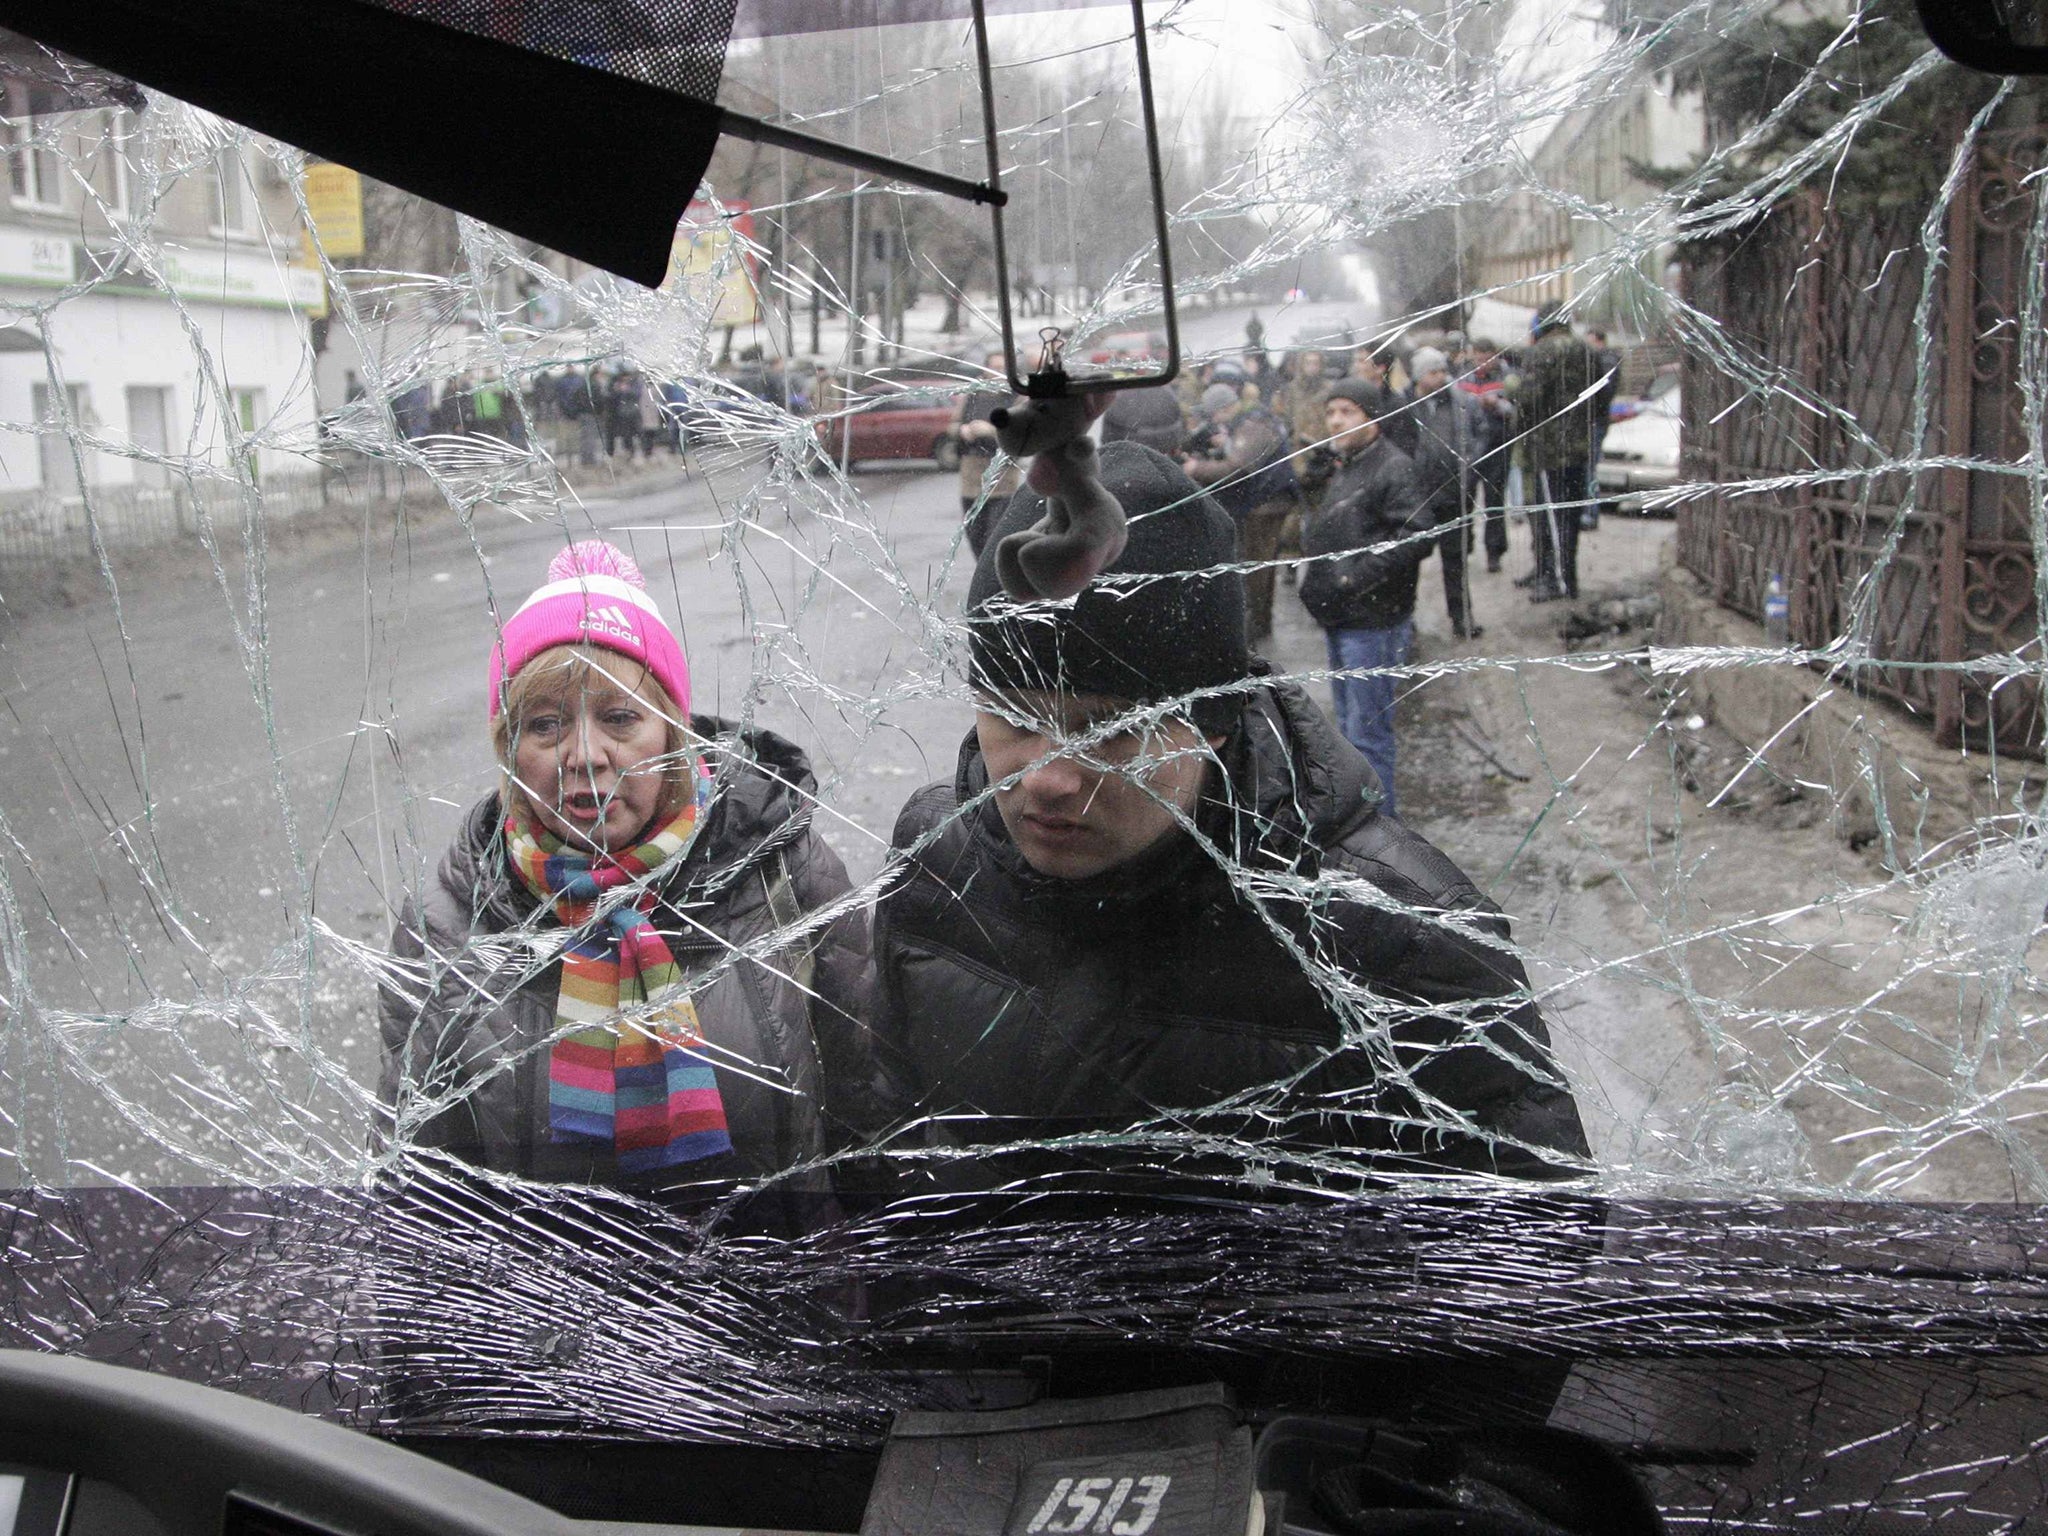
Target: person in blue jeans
[{"x": 1364, "y": 545}]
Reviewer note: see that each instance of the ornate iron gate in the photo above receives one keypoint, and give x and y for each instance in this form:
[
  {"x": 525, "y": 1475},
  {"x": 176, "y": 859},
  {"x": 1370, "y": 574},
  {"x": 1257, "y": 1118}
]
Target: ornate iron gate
[{"x": 1927, "y": 569}]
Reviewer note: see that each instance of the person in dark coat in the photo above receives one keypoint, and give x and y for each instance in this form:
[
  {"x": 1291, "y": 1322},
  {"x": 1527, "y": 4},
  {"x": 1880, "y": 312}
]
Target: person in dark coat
[
  {"x": 581, "y": 398},
  {"x": 1607, "y": 364},
  {"x": 1149, "y": 416},
  {"x": 413, "y": 412},
  {"x": 1487, "y": 386},
  {"x": 1557, "y": 405},
  {"x": 455, "y": 415},
  {"x": 622, "y": 412},
  {"x": 1155, "y": 910},
  {"x": 1448, "y": 436},
  {"x": 1364, "y": 545},
  {"x": 614, "y": 976},
  {"x": 1251, "y": 473}
]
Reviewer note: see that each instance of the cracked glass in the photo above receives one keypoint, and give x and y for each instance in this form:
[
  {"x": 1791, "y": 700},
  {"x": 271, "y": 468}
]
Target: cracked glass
[{"x": 548, "y": 890}]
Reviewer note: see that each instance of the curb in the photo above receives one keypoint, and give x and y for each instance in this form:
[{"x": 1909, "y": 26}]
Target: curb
[{"x": 1893, "y": 790}]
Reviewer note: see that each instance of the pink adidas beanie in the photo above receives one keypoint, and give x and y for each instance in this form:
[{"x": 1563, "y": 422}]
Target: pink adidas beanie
[{"x": 594, "y": 595}]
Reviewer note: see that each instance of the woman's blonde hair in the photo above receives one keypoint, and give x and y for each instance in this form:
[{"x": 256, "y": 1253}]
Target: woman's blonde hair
[{"x": 559, "y": 676}]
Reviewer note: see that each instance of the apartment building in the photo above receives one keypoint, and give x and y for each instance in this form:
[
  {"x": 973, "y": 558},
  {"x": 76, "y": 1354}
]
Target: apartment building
[
  {"x": 136, "y": 242},
  {"x": 1543, "y": 248}
]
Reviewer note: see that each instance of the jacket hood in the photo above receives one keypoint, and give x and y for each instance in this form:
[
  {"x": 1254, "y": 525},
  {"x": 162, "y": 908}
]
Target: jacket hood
[
  {"x": 1291, "y": 787},
  {"x": 765, "y": 795},
  {"x": 1297, "y": 785}
]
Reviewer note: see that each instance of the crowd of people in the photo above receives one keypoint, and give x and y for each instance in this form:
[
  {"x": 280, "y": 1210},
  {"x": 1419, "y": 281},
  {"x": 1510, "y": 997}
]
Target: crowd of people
[
  {"x": 1344, "y": 469},
  {"x": 585, "y": 415}
]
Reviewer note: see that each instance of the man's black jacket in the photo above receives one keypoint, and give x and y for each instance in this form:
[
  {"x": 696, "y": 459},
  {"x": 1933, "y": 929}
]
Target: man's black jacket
[
  {"x": 1366, "y": 542},
  {"x": 1170, "y": 997}
]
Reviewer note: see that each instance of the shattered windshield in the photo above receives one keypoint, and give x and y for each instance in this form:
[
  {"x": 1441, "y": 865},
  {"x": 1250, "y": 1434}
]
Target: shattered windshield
[{"x": 584, "y": 858}]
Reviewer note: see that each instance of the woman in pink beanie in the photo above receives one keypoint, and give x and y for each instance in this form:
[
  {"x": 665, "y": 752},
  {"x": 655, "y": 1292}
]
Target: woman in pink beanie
[{"x": 612, "y": 977}]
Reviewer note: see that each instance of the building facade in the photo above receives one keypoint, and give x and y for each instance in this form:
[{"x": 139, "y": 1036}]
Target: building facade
[
  {"x": 1585, "y": 195},
  {"x": 136, "y": 243}
]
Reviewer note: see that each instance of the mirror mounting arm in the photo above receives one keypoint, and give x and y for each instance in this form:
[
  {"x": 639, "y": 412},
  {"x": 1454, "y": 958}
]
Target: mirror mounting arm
[{"x": 1054, "y": 382}]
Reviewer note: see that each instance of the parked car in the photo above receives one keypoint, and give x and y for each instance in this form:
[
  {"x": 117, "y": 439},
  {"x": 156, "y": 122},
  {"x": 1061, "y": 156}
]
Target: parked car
[
  {"x": 1625, "y": 406},
  {"x": 1640, "y": 454},
  {"x": 893, "y": 421},
  {"x": 1128, "y": 347}
]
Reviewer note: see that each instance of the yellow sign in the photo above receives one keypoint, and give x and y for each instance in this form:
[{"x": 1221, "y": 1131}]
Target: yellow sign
[
  {"x": 705, "y": 250},
  {"x": 334, "y": 197}
]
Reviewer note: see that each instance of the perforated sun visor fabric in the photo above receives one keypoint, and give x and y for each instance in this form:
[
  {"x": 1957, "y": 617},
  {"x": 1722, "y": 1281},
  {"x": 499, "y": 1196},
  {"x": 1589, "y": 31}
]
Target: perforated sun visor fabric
[
  {"x": 387, "y": 93},
  {"x": 678, "y": 45}
]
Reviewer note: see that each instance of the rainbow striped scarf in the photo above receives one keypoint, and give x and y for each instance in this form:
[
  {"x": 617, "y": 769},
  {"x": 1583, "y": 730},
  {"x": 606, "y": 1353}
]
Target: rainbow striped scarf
[{"x": 628, "y": 1075}]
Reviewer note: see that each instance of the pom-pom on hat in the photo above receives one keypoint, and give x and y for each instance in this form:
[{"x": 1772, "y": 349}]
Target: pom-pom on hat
[{"x": 594, "y": 595}]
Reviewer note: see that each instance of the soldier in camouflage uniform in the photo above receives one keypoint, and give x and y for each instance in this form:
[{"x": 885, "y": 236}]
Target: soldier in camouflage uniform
[{"x": 1557, "y": 406}]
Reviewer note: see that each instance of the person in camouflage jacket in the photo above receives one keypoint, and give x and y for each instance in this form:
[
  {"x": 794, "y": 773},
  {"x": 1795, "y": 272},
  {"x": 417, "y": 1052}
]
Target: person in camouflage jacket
[{"x": 1557, "y": 406}]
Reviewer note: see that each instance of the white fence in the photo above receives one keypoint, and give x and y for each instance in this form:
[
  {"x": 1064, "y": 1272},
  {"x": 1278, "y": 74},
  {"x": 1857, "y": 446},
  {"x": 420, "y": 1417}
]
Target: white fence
[{"x": 36, "y": 527}]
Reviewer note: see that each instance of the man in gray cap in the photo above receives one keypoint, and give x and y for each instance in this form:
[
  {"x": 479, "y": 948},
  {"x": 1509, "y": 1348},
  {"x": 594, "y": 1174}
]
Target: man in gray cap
[{"x": 1138, "y": 908}]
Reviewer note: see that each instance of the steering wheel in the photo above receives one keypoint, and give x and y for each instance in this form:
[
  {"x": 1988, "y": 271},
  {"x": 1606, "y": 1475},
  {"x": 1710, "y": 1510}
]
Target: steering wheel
[{"x": 205, "y": 1462}]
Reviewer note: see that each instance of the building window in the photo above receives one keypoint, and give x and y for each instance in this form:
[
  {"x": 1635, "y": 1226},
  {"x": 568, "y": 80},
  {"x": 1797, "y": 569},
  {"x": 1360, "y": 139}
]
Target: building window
[
  {"x": 104, "y": 148},
  {"x": 122, "y": 136},
  {"x": 35, "y": 167},
  {"x": 249, "y": 416},
  {"x": 56, "y": 437},
  {"x": 149, "y": 428},
  {"x": 233, "y": 195}
]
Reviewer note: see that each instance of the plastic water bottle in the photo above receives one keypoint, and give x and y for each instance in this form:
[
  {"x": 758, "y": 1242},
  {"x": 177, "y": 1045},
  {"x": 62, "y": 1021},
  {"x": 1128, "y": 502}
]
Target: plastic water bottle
[{"x": 1777, "y": 612}]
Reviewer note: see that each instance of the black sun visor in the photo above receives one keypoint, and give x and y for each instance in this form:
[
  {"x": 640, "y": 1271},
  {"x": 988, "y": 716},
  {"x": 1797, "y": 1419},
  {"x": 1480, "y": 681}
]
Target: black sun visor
[{"x": 398, "y": 97}]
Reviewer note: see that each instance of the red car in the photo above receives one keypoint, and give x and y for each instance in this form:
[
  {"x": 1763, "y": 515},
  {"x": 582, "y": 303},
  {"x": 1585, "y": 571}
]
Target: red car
[
  {"x": 891, "y": 421},
  {"x": 1129, "y": 347}
]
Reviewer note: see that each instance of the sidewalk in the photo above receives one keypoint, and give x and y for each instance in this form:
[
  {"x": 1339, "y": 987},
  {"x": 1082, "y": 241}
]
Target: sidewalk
[{"x": 1741, "y": 1000}]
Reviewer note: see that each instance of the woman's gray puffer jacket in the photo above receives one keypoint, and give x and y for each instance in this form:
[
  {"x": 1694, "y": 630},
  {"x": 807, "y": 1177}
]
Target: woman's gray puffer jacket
[{"x": 469, "y": 1004}]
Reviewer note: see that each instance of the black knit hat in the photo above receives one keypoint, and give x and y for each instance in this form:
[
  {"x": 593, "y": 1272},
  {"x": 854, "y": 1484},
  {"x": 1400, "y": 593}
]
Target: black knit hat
[
  {"x": 1373, "y": 399},
  {"x": 1143, "y": 640}
]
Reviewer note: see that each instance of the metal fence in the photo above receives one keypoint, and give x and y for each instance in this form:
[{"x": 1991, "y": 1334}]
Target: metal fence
[
  {"x": 1929, "y": 567},
  {"x": 36, "y": 527}
]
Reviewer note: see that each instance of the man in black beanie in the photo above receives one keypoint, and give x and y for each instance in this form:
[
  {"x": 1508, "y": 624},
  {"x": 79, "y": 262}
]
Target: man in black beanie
[
  {"x": 1156, "y": 896},
  {"x": 1366, "y": 540}
]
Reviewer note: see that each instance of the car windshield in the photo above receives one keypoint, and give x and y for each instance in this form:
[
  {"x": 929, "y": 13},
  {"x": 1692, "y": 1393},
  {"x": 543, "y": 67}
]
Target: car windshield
[{"x": 564, "y": 872}]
